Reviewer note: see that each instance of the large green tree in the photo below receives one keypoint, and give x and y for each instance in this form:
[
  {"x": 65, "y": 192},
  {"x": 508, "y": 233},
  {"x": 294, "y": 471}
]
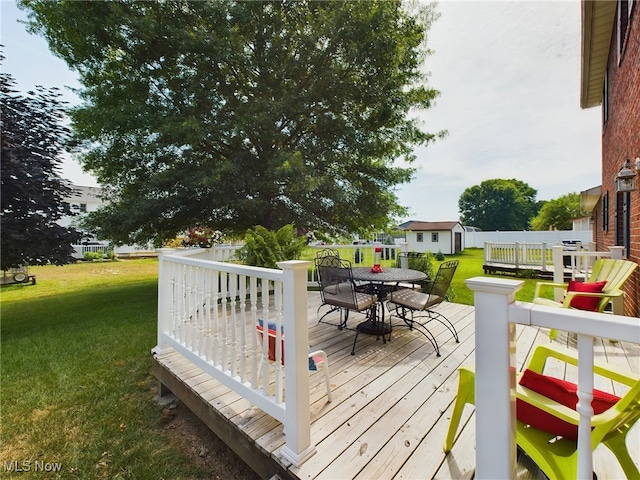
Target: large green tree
[
  {"x": 33, "y": 193},
  {"x": 498, "y": 204},
  {"x": 558, "y": 213},
  {"x": 234, "y": 114}
]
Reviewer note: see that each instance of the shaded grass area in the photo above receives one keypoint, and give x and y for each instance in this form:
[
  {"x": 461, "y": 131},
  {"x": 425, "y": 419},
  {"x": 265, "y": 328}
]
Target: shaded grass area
[{"x": 76, "y": 384}]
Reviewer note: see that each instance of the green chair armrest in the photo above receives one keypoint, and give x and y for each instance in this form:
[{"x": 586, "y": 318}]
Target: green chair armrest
[
  {"x": 543, "y": 352},
  {"x": 539, "y": 286},
  {"x": 546, "y": 404}
]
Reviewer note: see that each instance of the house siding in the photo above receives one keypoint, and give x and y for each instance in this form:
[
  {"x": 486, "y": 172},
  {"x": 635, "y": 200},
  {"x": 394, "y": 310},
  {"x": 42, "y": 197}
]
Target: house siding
[
  {"x": 621, "y": 141},
  {"x": 446, "y": 238}
]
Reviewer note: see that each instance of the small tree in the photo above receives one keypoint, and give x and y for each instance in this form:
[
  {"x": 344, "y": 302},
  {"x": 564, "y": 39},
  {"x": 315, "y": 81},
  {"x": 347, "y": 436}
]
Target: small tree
[
  {"x": 557, "y": 214},
  {"x": 33, "y": 137}
]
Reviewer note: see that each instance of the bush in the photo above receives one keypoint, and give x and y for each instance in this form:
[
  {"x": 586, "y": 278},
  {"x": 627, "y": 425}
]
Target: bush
[
  {"x": 265, "y": 248},
  {"x": 93, "y": 256},
  {"x": 440, "y": 256}
]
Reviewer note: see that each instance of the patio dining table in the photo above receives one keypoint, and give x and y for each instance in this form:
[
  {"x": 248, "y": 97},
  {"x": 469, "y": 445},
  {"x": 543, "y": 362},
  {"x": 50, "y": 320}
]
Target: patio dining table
[{"x": 379, "y": 283}]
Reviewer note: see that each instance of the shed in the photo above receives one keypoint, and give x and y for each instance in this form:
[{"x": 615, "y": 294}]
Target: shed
[{"x": 434, "y": 237}]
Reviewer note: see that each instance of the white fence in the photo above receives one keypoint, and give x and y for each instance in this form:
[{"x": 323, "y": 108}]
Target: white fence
[
  {"x": 545, "y": 257},
  {"x": 80, "y": 250},
  {"x": 208, "y": 312},
  {"x": 550, "y": 237},
  {"x": 495, "y": 318}
]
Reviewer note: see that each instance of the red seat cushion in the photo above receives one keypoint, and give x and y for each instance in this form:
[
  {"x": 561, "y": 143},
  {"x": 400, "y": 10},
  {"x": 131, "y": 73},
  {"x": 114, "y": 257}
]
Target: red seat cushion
[
  {"x": 562, "y": 392},
  {"x": 586, "y": 303}
]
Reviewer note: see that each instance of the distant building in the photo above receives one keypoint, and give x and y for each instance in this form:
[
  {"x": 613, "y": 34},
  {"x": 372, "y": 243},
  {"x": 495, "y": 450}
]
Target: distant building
[
  {"x": 434, "y": 237},
  {"x": 85, "y": 200}
]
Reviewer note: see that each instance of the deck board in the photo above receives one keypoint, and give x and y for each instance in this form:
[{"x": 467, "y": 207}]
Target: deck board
[{"x": 391, "y": 402}]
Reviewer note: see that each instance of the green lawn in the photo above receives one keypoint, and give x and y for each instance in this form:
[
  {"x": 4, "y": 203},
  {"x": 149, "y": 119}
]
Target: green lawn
[
  {"x": 471, "y": 261},
  {"x": 76, "y": 387}
]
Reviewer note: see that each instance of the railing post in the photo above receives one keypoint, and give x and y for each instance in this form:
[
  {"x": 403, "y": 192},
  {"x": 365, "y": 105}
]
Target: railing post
[
  {"x": 558, "y": 271},
  {"x": 164, "y": 297},
  {"x": 544, "y": 256},
  {"x": 297, "y": 425},
  {"x": 616, "y": 252},
  {"x": 495, "y": 377},
  {"x": 404, "y": 260}
]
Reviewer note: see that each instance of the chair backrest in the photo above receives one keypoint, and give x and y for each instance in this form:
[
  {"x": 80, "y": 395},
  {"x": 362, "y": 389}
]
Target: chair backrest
[
  {"x": 332, "y": 270},
  {"x": 328, "y": 252},
  {"x": 615, "y": 272},
  {"x": 335, "y": 279},
  {"x": 442, "y": 282}
]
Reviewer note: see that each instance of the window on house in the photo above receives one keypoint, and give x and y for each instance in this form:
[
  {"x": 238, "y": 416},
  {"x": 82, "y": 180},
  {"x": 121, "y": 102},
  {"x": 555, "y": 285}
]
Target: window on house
[
  {"x": 83, "y": 207},
  {"x": 419, "y": 237},
  {"x": 623, "y": 221},
  {"x": 434, "y": 237},
  {"x": 622, "y": 23}
]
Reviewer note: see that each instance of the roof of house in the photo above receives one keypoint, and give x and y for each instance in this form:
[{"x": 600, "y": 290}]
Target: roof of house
[
  {"x": 597, "y": 26},
  {"x": 427, "y": 226}
]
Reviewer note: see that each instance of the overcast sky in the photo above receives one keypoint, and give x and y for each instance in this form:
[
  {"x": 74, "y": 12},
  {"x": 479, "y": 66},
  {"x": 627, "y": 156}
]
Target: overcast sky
[{"x": 508, "y": 73}]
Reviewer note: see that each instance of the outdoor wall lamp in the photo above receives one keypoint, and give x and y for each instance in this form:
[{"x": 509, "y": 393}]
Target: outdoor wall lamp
[{"x": 626, "y": 178}]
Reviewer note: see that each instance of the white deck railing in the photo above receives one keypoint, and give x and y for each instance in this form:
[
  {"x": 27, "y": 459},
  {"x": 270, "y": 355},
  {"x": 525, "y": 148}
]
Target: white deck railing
[
  {"x": 495, "y": 317},
  {"x": 208, "y": 312},
  {"x": 543, "y": 256},
  {"x": 518, "y": 254}
]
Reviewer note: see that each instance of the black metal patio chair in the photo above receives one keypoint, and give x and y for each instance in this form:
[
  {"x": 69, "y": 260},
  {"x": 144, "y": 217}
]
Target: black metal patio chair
[
  {"x": 416, "y": 307},
  {"x": 338, "y": 290}
]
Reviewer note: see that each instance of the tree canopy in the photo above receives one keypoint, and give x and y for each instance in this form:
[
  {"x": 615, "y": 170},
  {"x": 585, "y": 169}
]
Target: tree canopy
[
  {"x": 33, "y": 193},
  {"x": 558, "y": 214},
  {"x": 498, "y": 204},
  {"x": 236, "y": 114}
]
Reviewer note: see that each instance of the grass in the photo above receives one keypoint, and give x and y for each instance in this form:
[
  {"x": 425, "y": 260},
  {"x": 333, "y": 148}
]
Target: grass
[
  {"x": 471, "y": 261},
  {"x": 76, "y": 387}
]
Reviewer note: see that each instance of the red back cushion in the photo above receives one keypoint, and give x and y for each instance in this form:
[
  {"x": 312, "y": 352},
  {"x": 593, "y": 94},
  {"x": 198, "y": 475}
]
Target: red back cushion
[
  {"x": 562, "y": 392},
  {"x": 586, "y": 303},
  {"x": 271, "y": 354}
]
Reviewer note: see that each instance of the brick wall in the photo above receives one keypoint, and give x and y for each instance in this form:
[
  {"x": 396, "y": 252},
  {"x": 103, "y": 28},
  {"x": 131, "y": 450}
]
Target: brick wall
[{"x": 621, "y": 141}]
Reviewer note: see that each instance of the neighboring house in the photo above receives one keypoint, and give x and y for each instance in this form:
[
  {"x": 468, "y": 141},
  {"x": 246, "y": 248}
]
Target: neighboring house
[
  {"x": 434, "y": 237},
  {"x": 82, "y": 200},
  {"x": 610, "y": 78}
]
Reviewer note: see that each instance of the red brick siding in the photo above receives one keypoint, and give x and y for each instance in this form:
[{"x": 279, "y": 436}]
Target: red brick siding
[{"x": 621, "y": 141}]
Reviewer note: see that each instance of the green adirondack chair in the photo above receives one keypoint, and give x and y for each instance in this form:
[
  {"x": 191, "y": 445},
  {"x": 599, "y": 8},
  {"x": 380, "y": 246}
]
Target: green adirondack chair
[
  {"x": 558, "y": 458},
  {"x": 614, "y": 272}
]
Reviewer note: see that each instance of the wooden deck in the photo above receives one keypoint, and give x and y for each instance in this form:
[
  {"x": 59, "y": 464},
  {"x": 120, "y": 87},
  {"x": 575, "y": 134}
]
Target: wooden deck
[{"x": 390, "y": 409}]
